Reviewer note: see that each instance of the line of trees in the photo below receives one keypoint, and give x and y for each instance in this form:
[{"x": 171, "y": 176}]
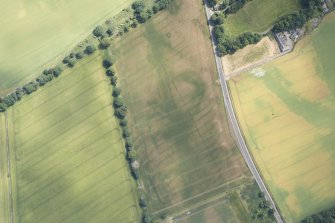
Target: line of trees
[
  {"x": 226, "y": 45},
  {"x": 143, "y": 12},
  {"x": 259, "y": 207},
  {"x": 310, "y": 9},
  {"x": 120, "y": 112},
  {"x": 101, "y": 33},
  {"x": 30, "y": 87},
  {"x": 46, "y": 76},
  {"x": 327, "y": 216},
  {"x": 229, "y": 7}
]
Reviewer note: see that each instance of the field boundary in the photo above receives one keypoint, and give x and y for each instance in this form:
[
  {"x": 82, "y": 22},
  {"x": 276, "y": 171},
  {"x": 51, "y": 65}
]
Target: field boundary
[
  {"x": 256, "y": 165},
  {"x": 133, "y": 183},
  {"x": 9, "y": 175},
  {"x": 199, "y": 195},
  {"x": 241, "y": 140}
]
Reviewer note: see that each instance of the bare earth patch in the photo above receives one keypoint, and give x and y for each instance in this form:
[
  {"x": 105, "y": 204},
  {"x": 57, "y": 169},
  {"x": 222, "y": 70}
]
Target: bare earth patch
[{"x": 250, "y": 57}]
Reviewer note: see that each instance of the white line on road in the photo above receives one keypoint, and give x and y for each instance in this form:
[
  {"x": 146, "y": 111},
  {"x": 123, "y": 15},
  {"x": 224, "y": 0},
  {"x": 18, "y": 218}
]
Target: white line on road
[{"x": 231, "y": 114}]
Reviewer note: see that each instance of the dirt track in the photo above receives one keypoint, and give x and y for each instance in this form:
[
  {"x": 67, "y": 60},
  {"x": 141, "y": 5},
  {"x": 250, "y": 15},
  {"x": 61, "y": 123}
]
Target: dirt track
[{"x": 9, "y": 175}]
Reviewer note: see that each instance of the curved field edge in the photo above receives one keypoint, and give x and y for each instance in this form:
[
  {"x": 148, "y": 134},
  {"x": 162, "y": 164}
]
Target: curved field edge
[
  {"x": 287, "y": 118},
  {"x": 70, "y": 161},
  {"x": 38, "y": 33}
]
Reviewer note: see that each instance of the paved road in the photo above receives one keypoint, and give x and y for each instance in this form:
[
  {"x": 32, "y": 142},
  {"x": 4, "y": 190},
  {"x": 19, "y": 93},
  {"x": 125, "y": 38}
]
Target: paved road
[
  {"x": 232, "y": 118},
  {"x": 9, "y": 175}
]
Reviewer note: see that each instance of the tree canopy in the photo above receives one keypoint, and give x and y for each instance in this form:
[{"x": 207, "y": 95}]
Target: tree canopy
[
  {"x": 217, "y": 18},
  {"x": 99, "y": 31},
  {"x": 327, "y": 216}
]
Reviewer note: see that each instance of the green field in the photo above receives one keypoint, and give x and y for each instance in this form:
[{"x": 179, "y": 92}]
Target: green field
[
  {"x": 258, "y": 16},
  {"x": 4, "y": 199},
  {"x": 287, "y": 114},
  {"x": 36, "y": 34},
  {"x": 167, "y": 73},
  {"x": 69, "y": 163}
]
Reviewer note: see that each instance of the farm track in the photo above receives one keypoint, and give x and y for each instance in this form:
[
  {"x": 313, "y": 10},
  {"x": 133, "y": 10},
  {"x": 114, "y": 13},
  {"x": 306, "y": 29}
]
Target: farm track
[
  {"x": 234, "y": 123},
  {"x": 9, "y": 175}
]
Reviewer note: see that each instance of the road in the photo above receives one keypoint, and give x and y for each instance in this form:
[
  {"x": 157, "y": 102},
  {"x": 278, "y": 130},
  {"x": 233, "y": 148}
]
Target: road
[
  {"x": 9, "y": 175},
  {"x": 232, "y": 118}
]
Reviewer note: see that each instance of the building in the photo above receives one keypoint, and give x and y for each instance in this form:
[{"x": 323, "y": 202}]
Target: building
[
  {"x": 296, "y": 34},
  {"x": 282, "y": 41},
  {"x": 324, "y": 7}
]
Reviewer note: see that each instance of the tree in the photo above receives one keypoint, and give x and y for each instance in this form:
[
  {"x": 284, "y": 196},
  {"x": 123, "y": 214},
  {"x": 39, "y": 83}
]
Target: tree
[
  {"x": 142, "y": 17},
  {"x": 30, "y": 87},
  {"x": 98, "y": 31},
  {"x": 217, "y": 18},
  {"x": 56, "y": 71},
  {"x": 155, "y": 8},
  {"x": 89, "y": 49},
  {"x": 218, "y": 32},
  {"x": 110, "y": 31},
  {"x": 71, "y": 63},
  {"x": 109, "y": 61},
  {"x": 72, "y": 55},
  {"x": 134, "y": 24},
  {"x": 261, "y": 195},
  {"x": 138, "y": 6},
  {"x": 163, "y": 216},
  {"x": 212, "y": 3},
  {"x": 104, "y": 43},
  {"x": 126, "y": 29},
  {"x": 116, "y": 92},
  {"x": 66, "y": 60},
  {"x": 289, "y": 22},
  {"x": 79, "y": 55},
  {"x": 134, "y": 172},
  {"x": 326, "y": 216},
  {"x": 142, "y": 202},
  {"x": 162, "y": 4},
  {"x": 235, "y": 5},
  {"x": 123, "y": 122},
  {"x": 125, "y": 132},
  {"x": 110, "y": 72},
  {"x": 129, "y": 143},
  {"x": 118, "y": 102},
  {"x": 146, "y": 217},
  {"x": 131, "y": 155},
  {"x": 3, "y": 106},
  {"x": 9, "y": 100},
  {"x": 121, "y": 112},
  {"x": 19, "y": 93},
  {"x": 114, "y": 80}
]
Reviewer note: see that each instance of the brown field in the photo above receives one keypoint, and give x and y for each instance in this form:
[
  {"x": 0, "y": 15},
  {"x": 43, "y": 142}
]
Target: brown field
[
  {"x": 250, "y": 56},
  {"x": 168, "y": 77}
]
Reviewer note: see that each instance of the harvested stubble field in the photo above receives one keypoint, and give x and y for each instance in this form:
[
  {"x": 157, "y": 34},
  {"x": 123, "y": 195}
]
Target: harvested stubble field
[
  {"x": 287, "y": 114},
  {"x": 168, "y": 77},
  {"x": 258, "y": 16},
  {"x": 70, "y": 162},
  {"x": 35, "y": 33}
]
